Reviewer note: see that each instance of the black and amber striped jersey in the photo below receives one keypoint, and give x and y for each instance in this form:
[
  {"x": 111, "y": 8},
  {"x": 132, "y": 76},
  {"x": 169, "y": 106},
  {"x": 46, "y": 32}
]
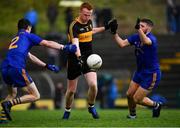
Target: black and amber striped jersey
[{"x": 83, "y": 32}]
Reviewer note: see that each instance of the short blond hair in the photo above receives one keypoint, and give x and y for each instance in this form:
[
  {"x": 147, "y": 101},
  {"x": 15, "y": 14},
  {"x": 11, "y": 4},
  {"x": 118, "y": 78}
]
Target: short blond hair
[{"x": 86, "y": 5}]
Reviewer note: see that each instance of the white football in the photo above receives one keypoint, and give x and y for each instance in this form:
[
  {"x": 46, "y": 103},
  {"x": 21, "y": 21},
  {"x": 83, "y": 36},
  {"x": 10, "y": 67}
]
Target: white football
[{"x": 94, "y": 61}]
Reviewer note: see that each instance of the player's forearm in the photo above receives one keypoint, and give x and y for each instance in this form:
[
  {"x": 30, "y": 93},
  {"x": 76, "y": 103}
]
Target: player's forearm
[
  {"x": 52, "y": 44},
  {"x": 78, "y": 53},
  {"x": 144, "y": 38},
  {"x": 55, "y": 45},
  {"x": 119, "y": 40},
  {"x": 36, "y": 60},
  {"x": 98, "y": 30},
  {"x": 76, "y": 42}
]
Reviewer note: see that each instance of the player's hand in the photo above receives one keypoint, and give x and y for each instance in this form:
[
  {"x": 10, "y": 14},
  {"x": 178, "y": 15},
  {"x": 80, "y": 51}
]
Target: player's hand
[
  {"x": 53, "y": 68},
  {"x": 114, "y": 27},
  {"x": 137, "y": 26},
  {"x": 70, "y": 48},
  {"x": 80, "y": 62},
  {"x": 110, "y": 23}
]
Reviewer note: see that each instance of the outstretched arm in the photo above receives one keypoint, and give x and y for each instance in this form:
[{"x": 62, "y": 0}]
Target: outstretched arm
[
  {"x": 98, "y": 30},
  {"x": 106, "y": 26},
  {"x": 122, "y": 43},
  {"x": 36, "y": 60},
  {"x": 39, "y": 62},
  {"x": 52, "y": 44},
  {"x": 55, "y": 45}
]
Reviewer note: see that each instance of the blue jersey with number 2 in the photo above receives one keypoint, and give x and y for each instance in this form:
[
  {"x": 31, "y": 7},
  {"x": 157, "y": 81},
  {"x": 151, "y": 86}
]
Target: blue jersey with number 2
[{"x": 19, "y": 48}]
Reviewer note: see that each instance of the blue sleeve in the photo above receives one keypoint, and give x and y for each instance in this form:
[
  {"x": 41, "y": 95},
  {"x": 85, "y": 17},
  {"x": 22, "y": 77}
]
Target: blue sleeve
[
  {"x": 35, "y": 39},
  {"x": 133, "y": 38}
]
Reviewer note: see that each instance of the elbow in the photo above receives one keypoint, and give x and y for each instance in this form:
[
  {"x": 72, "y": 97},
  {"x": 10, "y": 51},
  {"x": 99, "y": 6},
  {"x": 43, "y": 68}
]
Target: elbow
[
  {"x": 94, "y": 32},
  {"x": 30, "y": 56},
  {"x": 147, "y": 42},
  {"x": 121, "y": 46},
  {"x": 45, "y": 43}
]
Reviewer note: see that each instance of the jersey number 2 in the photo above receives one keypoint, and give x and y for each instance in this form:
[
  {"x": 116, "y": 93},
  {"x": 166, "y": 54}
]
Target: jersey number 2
[{"x": 13, "y": 43}]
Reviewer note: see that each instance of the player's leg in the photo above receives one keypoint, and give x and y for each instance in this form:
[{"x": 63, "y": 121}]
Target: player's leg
[
  {"x": 141, "y": 98},
  {"x": 12, "y": 92},
  {"x": 6, "y": 75},
  {"x": 3, "y": 117},
  {"x": 131, "y": 104},
  {"x": 71, "y": 89},
  {"x": 91, "y": 78},
  {"x": 25, "y": 82},
  {"x": 31, "y": 96},
  {"x": 151, "y": 81}
]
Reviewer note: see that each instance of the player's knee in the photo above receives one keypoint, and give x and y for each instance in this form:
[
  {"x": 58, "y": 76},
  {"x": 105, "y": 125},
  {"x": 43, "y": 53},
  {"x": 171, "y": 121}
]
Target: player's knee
[
  {"x": 37, "y": 96},
  {"x": 94, "y": 88},
  {"x": 70, "y": 92},
  {"x": 129, "y": 95},
  {"x": 136, "y": 100},
  {"x": 92, "y": 84}
]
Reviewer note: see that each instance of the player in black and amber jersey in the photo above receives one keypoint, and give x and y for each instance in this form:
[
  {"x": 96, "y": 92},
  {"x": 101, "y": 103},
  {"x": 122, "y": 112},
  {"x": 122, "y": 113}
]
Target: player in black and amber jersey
[
  {"x": 83, "y": 33},
  {"x": 80, "y": 33}
]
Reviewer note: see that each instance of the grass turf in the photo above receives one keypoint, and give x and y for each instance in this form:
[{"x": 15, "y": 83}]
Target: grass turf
[{"x": 81, "y": 118}]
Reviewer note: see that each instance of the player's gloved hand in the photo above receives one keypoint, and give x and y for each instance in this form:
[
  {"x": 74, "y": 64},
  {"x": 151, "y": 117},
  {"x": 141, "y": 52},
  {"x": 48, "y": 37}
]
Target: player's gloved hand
[
  {"x": 137, "y": 26},
  {"x": 114, "y": 27},
  {"x": 80, "y": 62},
  {"x": 70, "y": 48},
  {"x": 110, "y": 23},
  {"x": 53, "y": 68}
]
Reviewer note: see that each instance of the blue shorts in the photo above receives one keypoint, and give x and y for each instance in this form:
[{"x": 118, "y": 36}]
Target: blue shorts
[
  {"x": 16, "y": 77},
  {"x": 147, "y": 80}
]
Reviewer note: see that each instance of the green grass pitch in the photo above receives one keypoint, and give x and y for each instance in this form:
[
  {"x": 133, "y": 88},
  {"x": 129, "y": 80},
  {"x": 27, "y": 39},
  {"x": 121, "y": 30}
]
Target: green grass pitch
[{"x": 81, "y": 118}]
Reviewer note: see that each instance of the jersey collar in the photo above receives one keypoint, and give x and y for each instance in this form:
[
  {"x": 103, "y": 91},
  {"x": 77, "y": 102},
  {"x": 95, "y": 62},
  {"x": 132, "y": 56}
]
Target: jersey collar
[{"x": 21, "y": 31}]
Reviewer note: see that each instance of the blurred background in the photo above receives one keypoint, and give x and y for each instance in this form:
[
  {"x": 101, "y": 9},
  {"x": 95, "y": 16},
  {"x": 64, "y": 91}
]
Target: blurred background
[{"x": 50, "y": 19}]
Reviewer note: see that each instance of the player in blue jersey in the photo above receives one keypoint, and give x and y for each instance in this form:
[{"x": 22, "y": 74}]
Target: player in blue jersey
[
  {"x": 13, "y": 67},
  {"x": 148, "y": 74}
]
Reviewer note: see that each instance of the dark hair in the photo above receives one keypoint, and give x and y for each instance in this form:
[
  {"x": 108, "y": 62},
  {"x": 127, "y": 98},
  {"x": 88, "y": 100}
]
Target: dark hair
[
  {"x": 86, "y": 5},
  {"x": 148, "y": 21},
  {"x": 23, "y": 24}
]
